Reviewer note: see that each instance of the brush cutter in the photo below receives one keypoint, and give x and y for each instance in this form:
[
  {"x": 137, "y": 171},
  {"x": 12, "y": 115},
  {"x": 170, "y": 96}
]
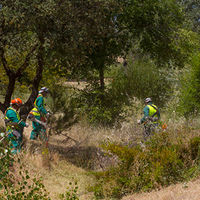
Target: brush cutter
[{"x": 32, "y": 118}]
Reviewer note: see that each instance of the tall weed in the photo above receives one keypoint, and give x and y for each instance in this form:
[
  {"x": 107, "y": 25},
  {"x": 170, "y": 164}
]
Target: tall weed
[{"x": 17, "y": 185}]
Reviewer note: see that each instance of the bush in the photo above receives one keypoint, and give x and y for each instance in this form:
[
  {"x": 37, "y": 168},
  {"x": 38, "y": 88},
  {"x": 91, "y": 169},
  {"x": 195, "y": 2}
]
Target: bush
[
  {"x": 62, "y": 106},
  {"x": 99, "y": 107},
  {"x": 190, "y": 89},
  {"x": 162, "y": 163},
  {"x": 141, "y": 79},
  {"x": 195, "y": 148},
  {"x": 68, "y": 104}
]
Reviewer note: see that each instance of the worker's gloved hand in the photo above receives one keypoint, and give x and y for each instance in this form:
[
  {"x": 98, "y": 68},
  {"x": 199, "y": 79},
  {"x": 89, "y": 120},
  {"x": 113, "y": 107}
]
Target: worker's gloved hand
[
  {"x": 2, "y": 134},
  {"x": 48, "y": 115},
  {"x": 138, "y": 121},
  {"x": 27, "y": 125}
]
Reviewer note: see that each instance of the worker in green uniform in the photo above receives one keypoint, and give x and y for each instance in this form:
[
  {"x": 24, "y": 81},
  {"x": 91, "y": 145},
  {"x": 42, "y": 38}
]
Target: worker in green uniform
[
  {"x": 150, "y": 119},
  {"x": 14, "y": 125},
  {"x": 40, "y": 113}
]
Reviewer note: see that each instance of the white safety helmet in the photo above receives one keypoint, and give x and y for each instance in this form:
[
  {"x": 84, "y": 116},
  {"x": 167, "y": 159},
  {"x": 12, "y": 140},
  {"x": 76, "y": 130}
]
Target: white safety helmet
[
  {"x": 147, "y": 100},
  {"x": 44, "y": 89}
]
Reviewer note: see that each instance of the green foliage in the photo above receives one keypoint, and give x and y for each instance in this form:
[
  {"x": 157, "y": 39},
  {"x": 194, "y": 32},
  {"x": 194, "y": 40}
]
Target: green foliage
[
  {"x": 195, "y": 148},
  {"x": 154, "y": 23},
  {"x": 5, "y": 161},
  {"x": 97, "y": 189},
  {"x": 71, "y": 193},
  {"x": 17, "y": 186},
  {"x": 25, "y": 191},
  {"x": 185, "y": 46},
  {"x": 96, "y": 36},
  {"x": 99, "y": 107},
  {"x": 142, "y": 79},
  {"x": 62, "y": 105},
  {"x": 190, "y": 90},
  {"x": 191, "y": 8},
  {"x": 161, "y": 163}
]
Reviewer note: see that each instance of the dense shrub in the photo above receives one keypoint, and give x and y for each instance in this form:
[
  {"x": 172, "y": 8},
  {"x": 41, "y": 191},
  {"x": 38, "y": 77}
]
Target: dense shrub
[
  {"x": 195, "y": 148},
  {"x": 68, "y": 104},
  {"x": 161, "y": 163},
  {"x": 62, "y": 106},
  {"x": 141, "y": 79},
  {"x": 99, "y": 107},
  {"x": 190, "y": 89}
]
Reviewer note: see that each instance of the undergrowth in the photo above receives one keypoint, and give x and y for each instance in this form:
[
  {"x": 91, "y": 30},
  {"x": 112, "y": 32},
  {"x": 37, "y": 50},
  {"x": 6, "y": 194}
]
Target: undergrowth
[
  {"x": 16, "y": 182},
  {"x": 162, "y": 162}
]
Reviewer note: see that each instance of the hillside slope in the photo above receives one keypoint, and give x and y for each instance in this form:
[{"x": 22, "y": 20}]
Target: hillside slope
[
  {"x": 73, "y": 162},
  {"x": 187, "y": 191}
]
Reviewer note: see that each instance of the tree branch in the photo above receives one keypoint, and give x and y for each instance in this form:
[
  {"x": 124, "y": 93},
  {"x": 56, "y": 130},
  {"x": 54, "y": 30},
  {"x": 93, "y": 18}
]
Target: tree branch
[
  {"x": 2, "y": 107},
  {"x": 2, "y": 51},
  {"x": 26, "y": 62},
  {"x": 36, "y": 81},
  {"x": 10, "y": 89},
  {"x": 4, "y": 61}
]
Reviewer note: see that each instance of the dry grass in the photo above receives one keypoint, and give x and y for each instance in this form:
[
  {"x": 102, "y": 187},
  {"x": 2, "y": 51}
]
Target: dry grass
[
  {"x": 185, "y": 191},
  {"x": 75, "y": 153},
  {"x": 1, "y": 119},
  {"x": 64, "y": 166},
  {"x": 58, "y": 177},
  {"x": 74, "y": 84}
]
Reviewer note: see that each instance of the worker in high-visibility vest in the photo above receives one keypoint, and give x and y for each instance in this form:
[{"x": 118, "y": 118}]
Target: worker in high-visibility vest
[
  {"x": 14, "y": 125},
  {"x": 40, "y": 113},
  {"x": 151, "y": 117}
]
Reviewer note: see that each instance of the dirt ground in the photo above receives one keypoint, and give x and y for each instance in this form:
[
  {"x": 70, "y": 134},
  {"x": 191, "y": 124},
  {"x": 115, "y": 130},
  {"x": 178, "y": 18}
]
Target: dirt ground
[{"x": 185, "y": 191}]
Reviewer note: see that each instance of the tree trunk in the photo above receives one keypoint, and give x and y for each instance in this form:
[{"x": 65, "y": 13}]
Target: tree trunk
[
  {"x": 12, "y": 76},
  {"x": 9, "y": 92},
  {"x": 36, "y": 81},
  {"x": 2, "y": 107},
  {"x": 10, "y": 89}
]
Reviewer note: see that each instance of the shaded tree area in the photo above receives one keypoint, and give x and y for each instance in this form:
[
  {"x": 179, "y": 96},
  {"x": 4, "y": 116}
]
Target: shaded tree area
[
  {"x": 24, "y": 34},
  {"x": 80, "y": 38},
  {"x": 192, "y": 10},
  {"x": 154, "y": 27},
  {"x": 89, "y": 39}
]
